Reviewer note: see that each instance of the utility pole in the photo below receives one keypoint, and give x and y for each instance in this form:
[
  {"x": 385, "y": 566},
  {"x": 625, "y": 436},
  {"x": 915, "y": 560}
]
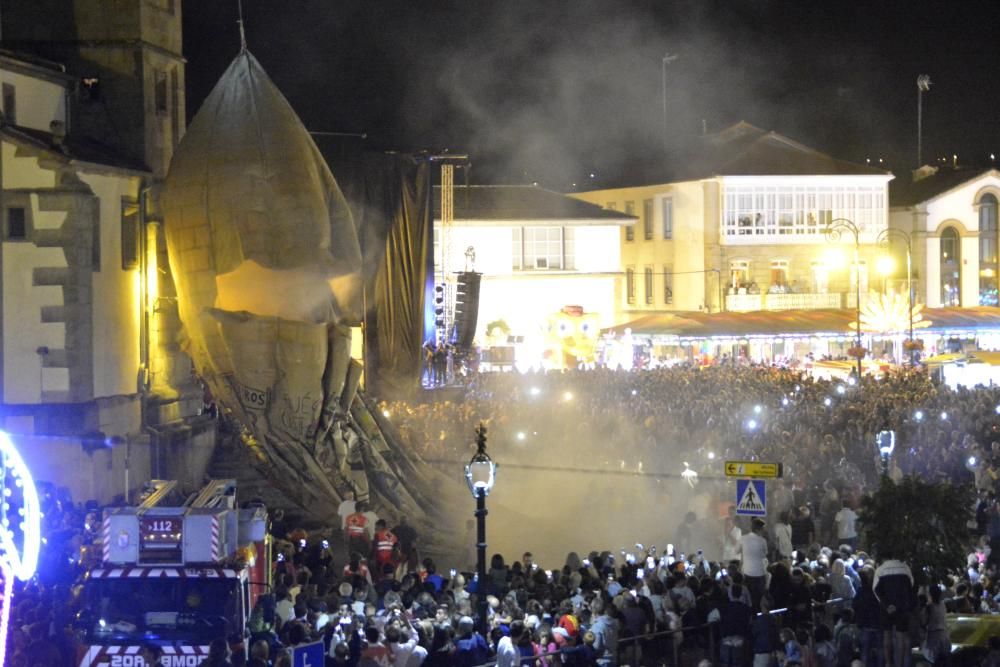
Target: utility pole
[
  {"x": 923, "y": 85},
  {"x": 667, "y": 59}
]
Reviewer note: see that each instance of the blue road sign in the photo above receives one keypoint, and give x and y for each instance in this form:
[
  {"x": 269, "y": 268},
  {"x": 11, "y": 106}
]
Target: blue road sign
[
  {"x": 308, "y": 655},
  {"x": 750, "y": 497}
]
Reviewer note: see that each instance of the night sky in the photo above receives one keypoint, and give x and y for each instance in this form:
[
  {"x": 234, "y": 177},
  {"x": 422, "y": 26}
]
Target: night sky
[{"x": 551, "y": 92}]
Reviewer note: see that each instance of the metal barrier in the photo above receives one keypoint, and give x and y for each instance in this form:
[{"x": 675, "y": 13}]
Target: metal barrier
[{"x": 675, "y": 648}]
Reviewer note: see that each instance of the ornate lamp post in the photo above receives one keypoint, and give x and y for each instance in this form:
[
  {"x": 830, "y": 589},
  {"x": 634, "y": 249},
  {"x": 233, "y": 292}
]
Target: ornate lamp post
[
  {"x": 885, "y": 443},
  {"x": 833, "y": 231},
  {"x": 480, "y": 473},
  {"x": 883, "y": 240}
]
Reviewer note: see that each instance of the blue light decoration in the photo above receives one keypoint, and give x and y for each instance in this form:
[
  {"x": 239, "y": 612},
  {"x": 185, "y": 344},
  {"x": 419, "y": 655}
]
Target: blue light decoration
[{"x": 20, "y": 538}]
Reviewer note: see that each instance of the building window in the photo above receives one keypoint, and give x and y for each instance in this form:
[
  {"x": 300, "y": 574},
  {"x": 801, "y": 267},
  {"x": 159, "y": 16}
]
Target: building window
[
  {"x": 175, "y": 107},
  {"x": 10, "y": 104},
  {"x": 647, "y": 219},
  {"x": 951, "y": 271},
  {"x": 160, "y": 91},
  {"x": 648, "y": 279},
  {"x": 630, "y": 285},
  {"x": 543, "y": 248},
  {"x": 779, "y": 275},
  {"x": 793, "y": 214},
  {"x": 988, "y": 230},
  {"x": 630, "y": 229},
  {"x": 668, "y": 219},
  {"x": 668, "y": 285},
  {"x": 821, "y": 277},
  {"x": 739, "y": 274},
  {"x": 130, "y": 234},
  {"x": 17, "y": 224}
]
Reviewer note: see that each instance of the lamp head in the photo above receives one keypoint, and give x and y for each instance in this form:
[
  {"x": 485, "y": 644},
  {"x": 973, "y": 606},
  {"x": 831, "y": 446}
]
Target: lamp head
[
  {"x": 885, "y": 442},
  {"x": 480, "y": 473}
]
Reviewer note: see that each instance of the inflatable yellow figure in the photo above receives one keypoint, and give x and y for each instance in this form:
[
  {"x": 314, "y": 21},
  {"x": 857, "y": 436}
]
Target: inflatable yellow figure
[{"x": 571, "y": 338}]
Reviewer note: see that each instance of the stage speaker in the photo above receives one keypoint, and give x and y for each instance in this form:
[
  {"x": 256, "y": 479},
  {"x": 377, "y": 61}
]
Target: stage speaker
[{"x": 466, "y": 308}]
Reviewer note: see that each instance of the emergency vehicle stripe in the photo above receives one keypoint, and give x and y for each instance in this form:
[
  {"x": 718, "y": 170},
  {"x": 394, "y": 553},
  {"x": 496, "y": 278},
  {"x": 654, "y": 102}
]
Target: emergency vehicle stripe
[
  {"x": 135, "y": 573},
  {"x": 156, "y": 572},
  {"x": 114, "y": 650},
  {"x": 106, "y": 538},
  {"x": 132, "y": 650},
  {"x": 215, "y": 537},
  {"x": 187, "y": 650}
]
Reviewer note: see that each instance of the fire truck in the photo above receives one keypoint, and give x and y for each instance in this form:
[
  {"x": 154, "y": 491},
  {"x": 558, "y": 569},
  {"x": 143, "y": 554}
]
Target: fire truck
[{"x": 173, "y": 572}]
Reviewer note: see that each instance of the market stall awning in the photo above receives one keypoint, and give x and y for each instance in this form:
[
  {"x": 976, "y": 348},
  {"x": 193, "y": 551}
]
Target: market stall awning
[{"x": 835, "y": 322}]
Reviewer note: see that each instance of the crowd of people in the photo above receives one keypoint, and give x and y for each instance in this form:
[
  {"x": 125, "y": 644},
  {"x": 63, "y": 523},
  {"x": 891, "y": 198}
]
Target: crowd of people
[
  {"x": 796, "y": 588},
  {"x": 819, "y": 429},
  {"x": 821, "y": 606}
]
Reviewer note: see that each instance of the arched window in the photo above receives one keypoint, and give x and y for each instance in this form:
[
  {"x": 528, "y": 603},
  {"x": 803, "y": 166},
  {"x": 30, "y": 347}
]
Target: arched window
[
  {"x": 988, "y": 231},
  {"x": 951, "y": 271}
]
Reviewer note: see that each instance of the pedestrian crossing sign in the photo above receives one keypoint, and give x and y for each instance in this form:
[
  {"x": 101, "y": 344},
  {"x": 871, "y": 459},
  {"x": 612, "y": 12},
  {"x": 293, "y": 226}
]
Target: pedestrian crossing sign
[{"x": 750, "y": 497}]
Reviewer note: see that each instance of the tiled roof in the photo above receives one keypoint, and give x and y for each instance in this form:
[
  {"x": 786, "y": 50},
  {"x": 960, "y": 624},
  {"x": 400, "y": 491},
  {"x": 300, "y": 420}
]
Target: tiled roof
[
  {"x": 74, "y": 148},
  {"x": 907, "y": 192},
  {"x": 745, "y": 150},
  {"x": 523, "y": 202}
]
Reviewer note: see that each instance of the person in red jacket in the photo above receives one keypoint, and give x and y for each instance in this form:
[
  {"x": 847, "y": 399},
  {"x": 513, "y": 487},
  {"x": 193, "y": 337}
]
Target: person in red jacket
[
  {"x": 384, "y": 549},
  {"x": 356, "y": 531}
]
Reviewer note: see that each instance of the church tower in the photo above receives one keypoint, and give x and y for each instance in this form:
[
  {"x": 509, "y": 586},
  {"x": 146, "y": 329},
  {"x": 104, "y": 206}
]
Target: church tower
[{"x": 127, "y": 55}]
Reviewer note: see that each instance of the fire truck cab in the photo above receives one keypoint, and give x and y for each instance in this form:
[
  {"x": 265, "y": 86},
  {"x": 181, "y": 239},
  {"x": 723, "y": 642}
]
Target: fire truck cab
[{"x": 174, "y": 575}]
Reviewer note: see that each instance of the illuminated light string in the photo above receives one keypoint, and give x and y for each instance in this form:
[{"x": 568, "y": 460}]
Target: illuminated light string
[{"x": 14, "y": 562}]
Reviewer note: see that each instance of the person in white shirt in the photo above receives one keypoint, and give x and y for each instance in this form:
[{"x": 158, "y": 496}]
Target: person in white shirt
[
  {"x": 783, "y": 537},
  {"x": 400, "y": 639},
  {"x": 507, "y": 653},
  {"x": 284, "y": 609},
  {"x": 846, "y": 529},
  {"x": 346, "y": 509},
  {"x": 753, "y": 547},
  {"x": 731, "y": 536}
]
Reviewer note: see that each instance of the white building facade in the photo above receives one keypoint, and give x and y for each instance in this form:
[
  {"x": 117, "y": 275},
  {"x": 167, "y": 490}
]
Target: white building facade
[
  {"x": 538, "y": 252},
  {"x": 746, "y": 230},
  {"x": 951, "y": 218}
]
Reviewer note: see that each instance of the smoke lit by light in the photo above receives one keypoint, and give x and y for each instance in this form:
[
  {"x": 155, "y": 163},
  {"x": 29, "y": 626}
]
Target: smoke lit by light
[
  {"x": 535, "y": 391},
  {"x": 568, "y": 396},
  {"x": 521, "y": 435}
]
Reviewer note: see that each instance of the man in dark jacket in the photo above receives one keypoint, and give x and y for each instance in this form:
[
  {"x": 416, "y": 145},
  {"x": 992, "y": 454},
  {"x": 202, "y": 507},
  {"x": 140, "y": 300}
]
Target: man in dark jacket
[
  {"x": 734, "y": 627},
  {"x": 893, "y": 586}
]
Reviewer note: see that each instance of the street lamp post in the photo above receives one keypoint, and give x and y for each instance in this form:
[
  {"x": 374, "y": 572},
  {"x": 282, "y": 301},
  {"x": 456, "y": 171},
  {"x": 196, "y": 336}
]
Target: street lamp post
[
  {"x": 885, "y": 443},
  {"x": 883, "y": 240},
  {"x": 833, "y": 230},
  {"x": 480, "y": 473},
  {"x": 667, "y": 59}
]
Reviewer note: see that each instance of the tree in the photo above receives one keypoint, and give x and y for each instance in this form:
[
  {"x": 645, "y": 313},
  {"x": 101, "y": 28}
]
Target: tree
[{"x": 918, "y": 522}]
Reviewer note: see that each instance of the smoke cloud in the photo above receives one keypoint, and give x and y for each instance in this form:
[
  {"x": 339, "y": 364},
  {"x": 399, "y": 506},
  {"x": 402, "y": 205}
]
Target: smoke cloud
[{"x": 556, "y": 91}]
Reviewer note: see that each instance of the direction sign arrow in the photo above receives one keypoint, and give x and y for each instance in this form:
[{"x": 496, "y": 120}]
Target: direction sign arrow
[{"x": 754, "y": 469}]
